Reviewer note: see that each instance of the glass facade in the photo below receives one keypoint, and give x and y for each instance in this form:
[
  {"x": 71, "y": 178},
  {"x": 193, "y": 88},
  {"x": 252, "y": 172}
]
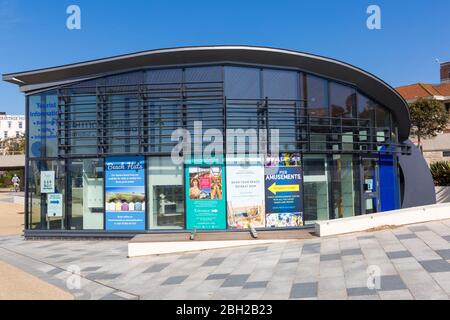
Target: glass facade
[{"x": 331, "y": 127}]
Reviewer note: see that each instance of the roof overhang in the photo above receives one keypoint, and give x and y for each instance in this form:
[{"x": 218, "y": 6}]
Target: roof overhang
[{"x": 369, "y": 84}]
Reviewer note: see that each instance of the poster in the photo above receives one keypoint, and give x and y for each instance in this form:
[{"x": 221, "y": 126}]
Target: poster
[
  {"x": 55, "y": 205},
  {"x": 47, "y": 181},
  {"x": 245, "y": 196},
  {"x": 283, "y": 183},
  {"x": 205, "y": 197},
  {"x": 125, "y": 193}
]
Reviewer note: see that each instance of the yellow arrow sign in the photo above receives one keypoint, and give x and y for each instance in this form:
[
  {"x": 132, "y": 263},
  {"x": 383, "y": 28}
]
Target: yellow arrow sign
[{"x": 284, "y": 188}]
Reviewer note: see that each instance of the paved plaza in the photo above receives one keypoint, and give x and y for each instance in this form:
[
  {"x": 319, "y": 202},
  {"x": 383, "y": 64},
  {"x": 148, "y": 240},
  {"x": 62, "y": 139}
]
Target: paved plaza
[{"x": 413, "y": 261}]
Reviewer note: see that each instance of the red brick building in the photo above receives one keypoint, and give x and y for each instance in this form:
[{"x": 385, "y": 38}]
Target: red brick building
[{"x": 436, "y": 149}]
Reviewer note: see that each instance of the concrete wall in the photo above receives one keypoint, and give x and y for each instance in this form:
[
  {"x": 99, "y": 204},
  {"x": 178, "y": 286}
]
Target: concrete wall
[{"x": 384, "y": 219}]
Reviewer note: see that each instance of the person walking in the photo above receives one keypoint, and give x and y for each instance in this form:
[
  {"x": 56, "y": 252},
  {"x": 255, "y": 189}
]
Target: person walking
[{"x": 16, "y": 182}]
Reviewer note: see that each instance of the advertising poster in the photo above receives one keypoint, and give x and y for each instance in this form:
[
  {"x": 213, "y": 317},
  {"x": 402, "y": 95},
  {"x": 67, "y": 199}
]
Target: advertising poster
[
  {"x": 205, "y": 198},
  {"x": 125, "y": 193},
  {"x": 283, "y": 183},
  {"x": 245, "y": 196}
]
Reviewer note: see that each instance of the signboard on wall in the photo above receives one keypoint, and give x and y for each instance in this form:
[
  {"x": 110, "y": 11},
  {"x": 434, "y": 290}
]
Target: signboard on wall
[
  {"x": 54, "y": 205},
  {"x": 245, "y": 196},
  {"x": 47, "y": 181},
  {"x": 125, "y": 193},
  {"x": 205, "y": 197},
  {"x": 43, "y": 126},
  {"x": 283, "y": 183}
]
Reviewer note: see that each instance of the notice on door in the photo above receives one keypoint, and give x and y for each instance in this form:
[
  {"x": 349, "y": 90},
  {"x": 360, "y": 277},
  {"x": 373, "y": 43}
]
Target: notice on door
[
  {"x": 47, "y": 181},
  {"x": 54, "y": 205}
]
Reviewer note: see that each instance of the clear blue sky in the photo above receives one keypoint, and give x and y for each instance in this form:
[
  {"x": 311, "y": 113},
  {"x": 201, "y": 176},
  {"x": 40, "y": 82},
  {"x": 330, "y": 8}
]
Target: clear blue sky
[{"x": 414, "y": 33}]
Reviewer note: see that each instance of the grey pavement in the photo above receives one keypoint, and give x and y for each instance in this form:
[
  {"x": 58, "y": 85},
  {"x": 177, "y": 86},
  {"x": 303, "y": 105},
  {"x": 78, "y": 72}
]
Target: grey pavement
[{"x": 407, "y": 263}]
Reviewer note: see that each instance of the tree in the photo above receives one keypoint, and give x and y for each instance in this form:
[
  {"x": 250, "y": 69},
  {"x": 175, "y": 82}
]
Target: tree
[
  {"x": 428, "y": 118},
  {"x": 11, "y": 146}
]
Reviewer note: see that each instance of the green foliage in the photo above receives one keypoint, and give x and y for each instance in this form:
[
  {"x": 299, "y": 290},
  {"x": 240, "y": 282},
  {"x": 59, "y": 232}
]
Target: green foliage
[
  {"x": 6, "y": 176},
  {"x": 12, "y": 146},
  {"x": 441, "y": 173},
  {"x": 428, "y": 118}
]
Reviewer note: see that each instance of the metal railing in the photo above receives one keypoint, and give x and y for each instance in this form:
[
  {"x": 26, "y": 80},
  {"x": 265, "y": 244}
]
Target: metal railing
[{"x": 140, "y": 118}]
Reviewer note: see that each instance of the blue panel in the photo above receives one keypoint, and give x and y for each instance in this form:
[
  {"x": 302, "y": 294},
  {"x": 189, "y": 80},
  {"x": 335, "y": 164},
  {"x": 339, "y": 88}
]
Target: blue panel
[{"x": 389, "y": 189}]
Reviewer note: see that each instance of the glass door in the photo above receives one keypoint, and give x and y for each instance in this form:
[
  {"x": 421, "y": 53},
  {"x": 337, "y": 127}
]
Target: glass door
[{"x": 371, "y": 186}]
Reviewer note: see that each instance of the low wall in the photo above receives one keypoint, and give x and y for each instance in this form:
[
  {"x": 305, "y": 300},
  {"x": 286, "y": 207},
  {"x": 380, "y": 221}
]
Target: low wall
[
  {"x": 392, "y": 218},
  {"x": 442, "y": 194}
]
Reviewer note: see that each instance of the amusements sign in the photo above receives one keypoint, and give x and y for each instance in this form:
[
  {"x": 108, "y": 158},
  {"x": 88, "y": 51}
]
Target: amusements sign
[
  {"x": 205, "y": 198},
  {"x": 283, "y": 183},
  {"x": 245, "y": 194},
  {"x": 125, "y": 193}
]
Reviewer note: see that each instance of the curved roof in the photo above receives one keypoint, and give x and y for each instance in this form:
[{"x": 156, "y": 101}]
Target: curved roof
[{"x": 330, "y": 68}]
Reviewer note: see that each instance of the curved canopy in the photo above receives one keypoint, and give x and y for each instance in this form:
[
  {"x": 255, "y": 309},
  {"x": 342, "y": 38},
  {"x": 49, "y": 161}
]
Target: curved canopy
[{"x": 369, "y": 84}]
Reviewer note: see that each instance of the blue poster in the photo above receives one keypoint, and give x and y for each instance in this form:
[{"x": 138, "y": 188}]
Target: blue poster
[
  {"x": 283, "y": 196},
  {"x": 125, "y": 193}
]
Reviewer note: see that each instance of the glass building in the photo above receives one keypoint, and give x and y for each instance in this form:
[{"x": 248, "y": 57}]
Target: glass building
[{"x": 101, "y": 143}]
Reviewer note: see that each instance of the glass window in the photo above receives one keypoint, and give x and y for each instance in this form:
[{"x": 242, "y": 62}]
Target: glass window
[
  {"x": 342, "y": 101},
  {"x": 163, "y": 105},
  {"x": 242, "y": 83},
  {"x": 86, "y": 194},
  {"x": 318, "y": 112},
  {"x": 317, "y": 96},
  {"x": 345, "y": 185},
  {"x": 38, "y": 202},
  {"x": 280, "y": 86},
  {"x": 124, "y": 122},
  {"x": 366, "y": 109},
  {"x": 166, "y": 194},
  {"x": 81, "y": 124},
  {"x": 316, "y": 195},
  {"x": 43, "y": 127},
  {"x": 383, "y": 124},
  {"x": 203, "y": 89}
]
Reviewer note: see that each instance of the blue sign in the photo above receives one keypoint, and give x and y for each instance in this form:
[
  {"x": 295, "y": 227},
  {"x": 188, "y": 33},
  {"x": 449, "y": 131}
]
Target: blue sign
[
  {"x": 125, "y": 193},
  {"x": 43, "y": 126},
  {"x": 283, "y": 190}
]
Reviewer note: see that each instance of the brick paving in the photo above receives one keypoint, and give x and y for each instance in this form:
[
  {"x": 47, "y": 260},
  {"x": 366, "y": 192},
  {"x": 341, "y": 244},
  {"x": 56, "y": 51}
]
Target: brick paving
[{"x": 412, "y": 262}]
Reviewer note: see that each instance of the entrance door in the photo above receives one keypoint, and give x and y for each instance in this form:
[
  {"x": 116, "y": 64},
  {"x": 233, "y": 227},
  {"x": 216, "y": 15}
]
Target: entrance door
[{"x": 371, "y": 186}]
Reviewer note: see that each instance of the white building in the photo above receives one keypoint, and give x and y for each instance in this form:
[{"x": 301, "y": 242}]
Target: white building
[{"x": 11, "y": 126}]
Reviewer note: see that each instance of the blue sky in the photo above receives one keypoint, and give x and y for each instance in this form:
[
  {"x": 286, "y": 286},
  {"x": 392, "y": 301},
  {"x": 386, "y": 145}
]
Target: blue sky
[{"x": 414, "y": 33}]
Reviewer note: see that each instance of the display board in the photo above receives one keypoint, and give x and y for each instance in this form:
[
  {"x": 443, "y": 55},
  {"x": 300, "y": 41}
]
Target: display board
[
  {"x": 245, "y": 196},
  {"x": 283, "y": 200},
  {"x": 125, "y": 193},
  {"x": 205, "y": 197}
]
